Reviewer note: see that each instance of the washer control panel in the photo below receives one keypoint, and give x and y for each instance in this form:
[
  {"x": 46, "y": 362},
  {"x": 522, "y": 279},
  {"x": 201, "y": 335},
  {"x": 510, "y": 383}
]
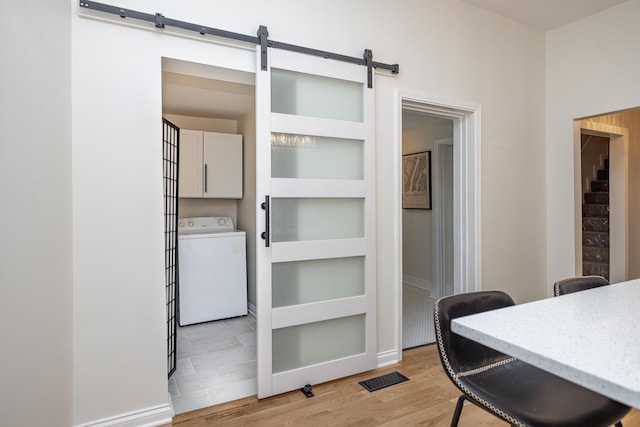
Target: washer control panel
[{"x": 205, "y": 224}]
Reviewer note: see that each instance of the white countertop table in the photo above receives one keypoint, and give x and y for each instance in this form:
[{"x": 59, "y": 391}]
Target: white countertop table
[{"x": 590, "y": 337}]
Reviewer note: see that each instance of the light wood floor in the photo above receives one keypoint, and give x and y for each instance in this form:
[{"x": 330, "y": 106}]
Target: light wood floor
[{"x": 427, "y": 399}]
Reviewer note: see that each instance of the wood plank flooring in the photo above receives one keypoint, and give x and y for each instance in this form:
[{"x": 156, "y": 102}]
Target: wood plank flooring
[{"x": 427, "y": 399}]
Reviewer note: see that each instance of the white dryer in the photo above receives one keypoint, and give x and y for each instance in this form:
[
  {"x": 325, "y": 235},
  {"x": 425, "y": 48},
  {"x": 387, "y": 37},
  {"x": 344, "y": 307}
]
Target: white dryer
[{"x": 212, "y": 270}]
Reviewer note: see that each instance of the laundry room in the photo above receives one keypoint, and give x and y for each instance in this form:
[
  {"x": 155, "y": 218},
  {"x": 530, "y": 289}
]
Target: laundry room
[{"x": 213, "y": 112}]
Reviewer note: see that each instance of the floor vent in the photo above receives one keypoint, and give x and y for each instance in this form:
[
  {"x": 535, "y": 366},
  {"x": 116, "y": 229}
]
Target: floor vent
[{"x": 383, "y": 381}]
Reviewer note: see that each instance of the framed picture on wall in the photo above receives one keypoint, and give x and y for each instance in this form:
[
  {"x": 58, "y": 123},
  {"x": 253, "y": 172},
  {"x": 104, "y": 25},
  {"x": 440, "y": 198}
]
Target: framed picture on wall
[{"x": 416, "y": 180}]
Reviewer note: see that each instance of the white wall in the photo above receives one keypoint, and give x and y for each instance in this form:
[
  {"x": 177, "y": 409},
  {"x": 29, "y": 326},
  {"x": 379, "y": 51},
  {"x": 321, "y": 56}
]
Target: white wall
[
  {"x": 120, "y": 356},
  {"x": 467, "y": 54},
  {"x": 444, "y": 48},
  {"x": 591, "y": 69},
  {"x": 35, "y": 183},
  {"x": 246, "y": 206}
]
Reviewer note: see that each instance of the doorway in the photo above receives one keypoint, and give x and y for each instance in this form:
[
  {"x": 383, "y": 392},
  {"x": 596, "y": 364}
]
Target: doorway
[
  {"x": 603, "y": 134},
  {"x": 465, "y": 147},
  {"x": 427, "y": 230},
  {"x": 215, "y": 361}
]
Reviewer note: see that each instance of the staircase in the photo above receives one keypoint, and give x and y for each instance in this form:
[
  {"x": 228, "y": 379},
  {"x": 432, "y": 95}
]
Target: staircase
[{"x": 595, "y": 226}]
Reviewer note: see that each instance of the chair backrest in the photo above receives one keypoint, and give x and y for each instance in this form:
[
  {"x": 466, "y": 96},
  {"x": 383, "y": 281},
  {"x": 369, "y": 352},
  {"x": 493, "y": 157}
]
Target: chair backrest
[
  {"x": 576, "y": 284},
  {"x": 457, "y": 353}
]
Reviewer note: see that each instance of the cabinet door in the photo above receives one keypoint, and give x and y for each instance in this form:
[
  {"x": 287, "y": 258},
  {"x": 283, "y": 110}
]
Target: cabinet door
[
  {"x": 190, "y": 171},
  {"x": 222, "y": 165}
]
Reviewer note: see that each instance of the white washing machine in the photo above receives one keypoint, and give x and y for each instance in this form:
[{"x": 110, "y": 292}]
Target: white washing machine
[{"x": 212, "y": 270}]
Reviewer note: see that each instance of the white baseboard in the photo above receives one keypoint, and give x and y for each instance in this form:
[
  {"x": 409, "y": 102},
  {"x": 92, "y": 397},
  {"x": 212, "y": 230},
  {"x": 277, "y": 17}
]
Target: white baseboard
[
  {"x": 163, "y": 414},
  {"x": 417, "y": 282},
  {"x": 252, "y": 309},
  {"x": 150, "y": 417},
  {"x": 387, "y": 358}
]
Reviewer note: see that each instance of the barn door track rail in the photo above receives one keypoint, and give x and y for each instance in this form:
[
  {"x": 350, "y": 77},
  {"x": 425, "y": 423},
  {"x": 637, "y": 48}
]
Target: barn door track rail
[{"x": 161, "y": 21}]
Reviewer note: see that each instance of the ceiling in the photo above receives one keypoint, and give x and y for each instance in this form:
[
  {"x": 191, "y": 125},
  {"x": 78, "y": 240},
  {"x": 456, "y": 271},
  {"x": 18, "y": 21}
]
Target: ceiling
[
  {"x": 197, "y": 90},
  {"x": 188, "y": 95},
  {"x": 545, "y": 14}
]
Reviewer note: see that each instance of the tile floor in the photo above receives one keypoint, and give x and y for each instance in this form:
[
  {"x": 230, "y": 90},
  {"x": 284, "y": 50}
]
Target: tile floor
[
  {"x": 216, "y": 363},
  {"x": 417, "y": 317}
]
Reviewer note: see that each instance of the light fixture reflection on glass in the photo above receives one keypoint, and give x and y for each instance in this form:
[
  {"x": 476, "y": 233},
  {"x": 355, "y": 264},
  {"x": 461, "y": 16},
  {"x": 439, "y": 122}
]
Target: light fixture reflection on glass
[{"x": 288, "y": 141}]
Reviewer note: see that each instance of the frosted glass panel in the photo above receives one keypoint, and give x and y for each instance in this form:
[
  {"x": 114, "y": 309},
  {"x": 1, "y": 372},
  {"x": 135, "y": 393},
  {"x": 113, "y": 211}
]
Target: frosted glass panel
[
  {"x": 317, "y": 280},
  {"x": 315, "y": 96},
  {"x": 311, "y": 343},
  {"x": 316, "y": 157},
  {"x": 294, "y": 220}
]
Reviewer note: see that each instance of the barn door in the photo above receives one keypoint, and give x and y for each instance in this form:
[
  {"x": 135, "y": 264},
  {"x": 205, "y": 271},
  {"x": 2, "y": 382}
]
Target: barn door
[{"x": 316, "y": 304}]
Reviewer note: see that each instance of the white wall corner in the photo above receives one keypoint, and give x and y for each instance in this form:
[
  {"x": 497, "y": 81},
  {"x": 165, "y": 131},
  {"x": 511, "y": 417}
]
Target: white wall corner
[{"x": 150, "y": 417}]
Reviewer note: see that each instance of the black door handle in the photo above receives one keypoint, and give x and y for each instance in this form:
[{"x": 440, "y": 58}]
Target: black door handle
[{"x": 265, "y": 234}]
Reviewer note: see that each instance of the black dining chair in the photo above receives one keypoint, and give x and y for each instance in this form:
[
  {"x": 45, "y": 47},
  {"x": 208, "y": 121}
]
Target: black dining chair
[
  {"x": 512, "y": 390},
  {"x": 577, "y": 284}
]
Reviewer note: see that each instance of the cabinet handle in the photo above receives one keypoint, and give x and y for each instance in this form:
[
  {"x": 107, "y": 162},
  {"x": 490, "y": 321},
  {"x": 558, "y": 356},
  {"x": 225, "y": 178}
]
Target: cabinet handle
[
  {"x": 205, "y": 178},
  {"x": 265, "y": 234}
]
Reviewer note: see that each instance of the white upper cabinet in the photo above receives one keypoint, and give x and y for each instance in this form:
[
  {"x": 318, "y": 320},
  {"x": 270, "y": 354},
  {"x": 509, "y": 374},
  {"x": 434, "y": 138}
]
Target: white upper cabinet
[
  {"x": 222, "y": 156},
  {"x": 210, "y": 165},
  {"x": 190, "y": 171}
]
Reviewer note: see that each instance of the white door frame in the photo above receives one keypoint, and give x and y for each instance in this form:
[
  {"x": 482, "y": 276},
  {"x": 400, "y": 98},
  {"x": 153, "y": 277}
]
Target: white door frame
[
  {"x": 439, "y": 237},
  {"x": 466, "y": 118},
  {"x": 618, "y": 195}
]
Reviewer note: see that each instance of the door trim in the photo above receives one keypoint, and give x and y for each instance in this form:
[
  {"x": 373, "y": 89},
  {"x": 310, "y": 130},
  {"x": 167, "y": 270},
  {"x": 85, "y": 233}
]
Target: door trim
[
  {"x": 439, "y": 259},
  {"x": 466, "y": 118}
]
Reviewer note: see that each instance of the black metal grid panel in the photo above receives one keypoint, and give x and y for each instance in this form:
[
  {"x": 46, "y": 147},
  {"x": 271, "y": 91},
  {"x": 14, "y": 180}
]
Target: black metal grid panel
[{"x": 170, "y": 153}]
